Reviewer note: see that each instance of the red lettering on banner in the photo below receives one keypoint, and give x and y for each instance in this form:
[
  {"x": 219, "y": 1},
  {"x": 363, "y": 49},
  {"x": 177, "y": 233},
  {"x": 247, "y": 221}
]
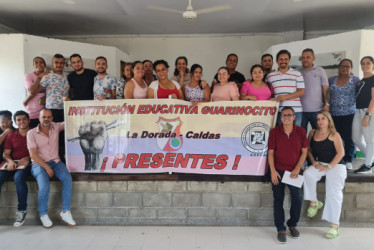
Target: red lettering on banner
[
  {"x": 236, "y": 162},
  {"x": 255, "y": 110},
  {"x": 144, "y": 160},
  {"x": 180, "y": 161},
  {"x": 169, "y": 160},
  {"x": 208, "y": 162},
  {"x": 105, "y": 160},
  {"x": 131, "y": 160},
  {"x": 117, "y": 159},
  {"x": 157, "y": 160},
  {"x": 221, "y": 162},
  {"x": 196, "y": 158}
]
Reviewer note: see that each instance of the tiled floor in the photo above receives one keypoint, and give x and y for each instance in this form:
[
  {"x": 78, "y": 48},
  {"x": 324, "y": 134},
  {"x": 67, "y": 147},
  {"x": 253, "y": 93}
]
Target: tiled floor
[{"x": 178, "y": 238}]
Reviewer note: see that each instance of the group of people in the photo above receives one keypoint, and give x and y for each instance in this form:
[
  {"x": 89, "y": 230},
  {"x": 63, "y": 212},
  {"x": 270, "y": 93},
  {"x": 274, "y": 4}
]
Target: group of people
[
  {"x": 305, "y": 96},
  {"x": 342, "y": 122}
]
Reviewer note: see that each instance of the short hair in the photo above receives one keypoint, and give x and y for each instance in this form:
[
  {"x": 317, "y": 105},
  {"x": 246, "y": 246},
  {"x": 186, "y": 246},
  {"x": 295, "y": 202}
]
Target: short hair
[
  {"x": 75, "y": 55},
  {"x": 225, "y": 68},
  {"x": 346, "y": 59},
  {"x": 157, "y": 62},
  {"x": 232, "y": 54},
  {"x": 58, "y": 56},
  {"x": 283, "y": 51},
  {"x": 176, "y": 72},
  {"x": 6, "y": 113},
  {"x": 265, "y": 55},
  {"x": 45, "y": 109},
  {"x": 288, "y": 108},
  {"x": 134, "y": 64},
  {"x": 308, "y": 50},
  {"x": 38, "y": 57},
  {"x": 147, "y": 60},
  {"x": 367, "y": 57},
  {"x": 101, "y": 57},
  {"x": 20, "y": 112}
]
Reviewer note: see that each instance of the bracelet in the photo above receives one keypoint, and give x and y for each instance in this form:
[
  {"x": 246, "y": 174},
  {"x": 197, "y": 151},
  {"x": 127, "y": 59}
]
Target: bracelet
[
  {"x": 327, "y": 104},
  {"x": 367, "y": 114},
  {"x": 329, "y": 166}
]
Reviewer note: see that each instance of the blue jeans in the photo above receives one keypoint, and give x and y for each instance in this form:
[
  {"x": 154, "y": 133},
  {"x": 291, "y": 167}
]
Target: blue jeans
[
  {"x": 296, "y": 202},
  {"x": 298, "y": 119},
  {"x": 41, "y": 176},
  {"x": 21, "y": 185},
  {"x": 343, "y": 125},
  {"x": 309, "y": 117}
]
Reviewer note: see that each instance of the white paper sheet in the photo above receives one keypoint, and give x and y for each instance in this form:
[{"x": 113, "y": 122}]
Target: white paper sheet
[{"x": 297, "y": 182}]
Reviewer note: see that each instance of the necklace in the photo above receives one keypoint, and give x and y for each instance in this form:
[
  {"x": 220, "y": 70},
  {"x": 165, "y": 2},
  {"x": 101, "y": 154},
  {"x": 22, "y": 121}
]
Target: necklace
[{"x": 341, "y": 82}]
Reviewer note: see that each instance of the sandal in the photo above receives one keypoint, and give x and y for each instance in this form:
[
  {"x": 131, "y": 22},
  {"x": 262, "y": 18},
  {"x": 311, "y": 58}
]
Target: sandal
[
  {"x": 312, "y": 211},
  {"x": 333, "y": 232}
]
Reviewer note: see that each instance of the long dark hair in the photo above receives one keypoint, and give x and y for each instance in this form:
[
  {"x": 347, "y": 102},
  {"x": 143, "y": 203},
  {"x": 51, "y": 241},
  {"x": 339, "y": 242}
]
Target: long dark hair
[
  {"x": 263, "y": 70},
  {"x": 176, "y": 72},
  {"x": 123, "y": 69},
  {"x": 193, "y": 68}
]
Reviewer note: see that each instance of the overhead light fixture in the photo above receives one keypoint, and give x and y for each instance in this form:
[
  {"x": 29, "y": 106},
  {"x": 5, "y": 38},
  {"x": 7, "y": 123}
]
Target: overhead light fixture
[{"x": 69, "y": 2}]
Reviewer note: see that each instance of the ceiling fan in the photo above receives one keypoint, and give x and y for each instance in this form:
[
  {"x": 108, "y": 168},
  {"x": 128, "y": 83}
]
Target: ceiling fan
[{"x": 190, "y": 13}]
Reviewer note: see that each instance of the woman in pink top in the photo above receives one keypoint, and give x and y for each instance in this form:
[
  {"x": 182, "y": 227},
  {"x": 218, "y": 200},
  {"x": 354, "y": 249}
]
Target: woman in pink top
[
  {"x": 136, "y": 88},
  {"x": 225, "y": 90},
  {"x": 256, "y": 89},
  {"x": 34, "y": 103},
  {"x": 163, "y": 87}
]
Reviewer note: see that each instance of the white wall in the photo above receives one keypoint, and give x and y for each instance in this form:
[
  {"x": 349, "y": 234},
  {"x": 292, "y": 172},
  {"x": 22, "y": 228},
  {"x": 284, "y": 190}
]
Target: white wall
[
  {"x": 36, "y": 46},
  {"x": 209, "y": 51},
  {"x": 12, "y": 72},
  {"x": 18, "y": 50},
  {"x": 350, "y": 42},
  {"x": 367, "y": 45}
]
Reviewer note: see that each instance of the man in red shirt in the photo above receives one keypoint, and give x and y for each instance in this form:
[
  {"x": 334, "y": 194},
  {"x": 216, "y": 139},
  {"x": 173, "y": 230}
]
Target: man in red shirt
[
  {"x": 288, "y": 147},
  {"x": 15, "y": 148}
]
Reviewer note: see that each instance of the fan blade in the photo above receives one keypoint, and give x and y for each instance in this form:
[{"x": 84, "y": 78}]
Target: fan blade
[
  {"x": 153, "y": 7},
  {"x": 214, "y": 9}
]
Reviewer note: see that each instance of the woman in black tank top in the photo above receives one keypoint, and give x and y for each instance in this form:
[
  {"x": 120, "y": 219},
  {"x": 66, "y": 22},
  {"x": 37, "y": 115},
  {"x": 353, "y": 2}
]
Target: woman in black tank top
[{"x": 325, "y": 152}]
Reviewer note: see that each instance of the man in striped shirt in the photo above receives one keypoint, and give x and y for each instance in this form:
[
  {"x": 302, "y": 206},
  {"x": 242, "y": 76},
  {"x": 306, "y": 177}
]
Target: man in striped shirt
[{"x": 288, "y": 85}]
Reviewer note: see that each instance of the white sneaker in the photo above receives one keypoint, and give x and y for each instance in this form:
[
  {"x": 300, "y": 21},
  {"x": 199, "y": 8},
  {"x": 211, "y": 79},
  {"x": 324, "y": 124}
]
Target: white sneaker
[
  {"x": 47, "y": 223},
  {"x": 67, "y": 218},
  {"x": 349, "y": 165}
]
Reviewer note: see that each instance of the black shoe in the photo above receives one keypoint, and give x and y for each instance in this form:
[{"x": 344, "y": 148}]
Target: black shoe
[
  {"x": 20, "y": 218},
  {"x": 363, "y": 170},
  {"x": 282, "y": 237},
  {"x": 294, "y": 232}
]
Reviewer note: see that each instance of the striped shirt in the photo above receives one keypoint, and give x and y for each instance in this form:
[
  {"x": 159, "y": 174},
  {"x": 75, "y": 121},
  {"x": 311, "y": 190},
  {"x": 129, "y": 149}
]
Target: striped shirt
[{"x": 287, "y": 83}]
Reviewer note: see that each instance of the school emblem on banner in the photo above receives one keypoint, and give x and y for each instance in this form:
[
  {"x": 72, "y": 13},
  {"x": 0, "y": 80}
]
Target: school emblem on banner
[
  {"x": 255, "y": 137},
  {"x": 169, "y": 138}
]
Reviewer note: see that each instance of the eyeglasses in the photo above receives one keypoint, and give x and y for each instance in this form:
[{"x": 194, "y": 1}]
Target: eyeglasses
[{"x": 287, "y": 115}]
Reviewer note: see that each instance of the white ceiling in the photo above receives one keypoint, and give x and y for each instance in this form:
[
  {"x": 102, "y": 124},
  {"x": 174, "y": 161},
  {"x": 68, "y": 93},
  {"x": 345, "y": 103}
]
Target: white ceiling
[{"x": 132, "y": 17}]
